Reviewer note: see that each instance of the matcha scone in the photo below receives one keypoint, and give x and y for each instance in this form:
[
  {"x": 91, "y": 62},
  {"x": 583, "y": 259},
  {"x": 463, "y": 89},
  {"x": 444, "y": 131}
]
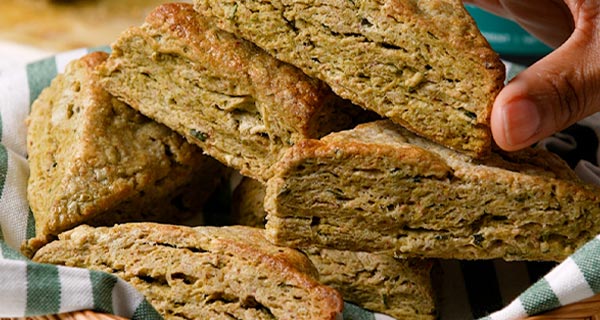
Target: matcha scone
[
  {"x": 401, "y": 288},
  {"x": 201, "y": 272},
  {"x": 423, "y": 64},
  {"x": 235, "y": 101},
  {"x": 95, "y": 160},
  {"x": 379, "y": 187}
]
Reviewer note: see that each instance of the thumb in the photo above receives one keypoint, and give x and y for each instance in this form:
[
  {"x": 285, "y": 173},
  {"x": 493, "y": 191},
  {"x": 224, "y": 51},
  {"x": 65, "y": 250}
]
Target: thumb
[{"x": 552, "y": 94}]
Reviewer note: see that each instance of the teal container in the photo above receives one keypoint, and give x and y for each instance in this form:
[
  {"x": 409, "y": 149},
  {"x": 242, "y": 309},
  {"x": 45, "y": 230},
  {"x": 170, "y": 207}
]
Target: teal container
[{"x": 507, "y": 37}]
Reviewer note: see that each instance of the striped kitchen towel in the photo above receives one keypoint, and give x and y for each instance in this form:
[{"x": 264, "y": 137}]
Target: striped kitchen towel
[
  {"x": 29, "y": 288},
  {"x": 469, "y": 289}
]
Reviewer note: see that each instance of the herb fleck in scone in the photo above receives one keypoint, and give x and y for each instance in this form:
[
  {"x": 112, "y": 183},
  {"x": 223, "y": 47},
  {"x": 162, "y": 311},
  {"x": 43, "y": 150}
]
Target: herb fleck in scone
[
  {"x": 239, "y": 104},
  {"x": 201, "y": 272},
  {"x": 423, "y": 64},
  {"x": 95, "y": 160},
  {"x": 379, "y": 187},
  {"x": 401, "y": 288}
]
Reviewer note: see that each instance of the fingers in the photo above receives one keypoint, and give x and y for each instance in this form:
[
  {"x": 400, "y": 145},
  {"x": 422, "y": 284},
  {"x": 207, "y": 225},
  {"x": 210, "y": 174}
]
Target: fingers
[
  {"x": 549, "y": 20},
  {"x": 554, "y": 93}
]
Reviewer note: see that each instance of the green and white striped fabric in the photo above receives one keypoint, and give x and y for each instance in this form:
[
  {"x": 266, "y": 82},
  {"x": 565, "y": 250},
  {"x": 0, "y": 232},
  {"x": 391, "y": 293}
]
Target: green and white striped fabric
[
  {"x": 575, "y": 279},
  {"x": 37, "y": 289},
  {"x": 28, "y": 288}
]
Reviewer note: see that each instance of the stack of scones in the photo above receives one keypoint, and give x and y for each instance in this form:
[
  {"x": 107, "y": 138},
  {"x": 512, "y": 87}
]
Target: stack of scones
[{"x": 361, "y": 132}]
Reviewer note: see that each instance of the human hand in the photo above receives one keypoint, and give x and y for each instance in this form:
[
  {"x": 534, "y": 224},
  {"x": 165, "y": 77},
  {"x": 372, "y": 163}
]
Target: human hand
[{"x": 559, "y": 89}]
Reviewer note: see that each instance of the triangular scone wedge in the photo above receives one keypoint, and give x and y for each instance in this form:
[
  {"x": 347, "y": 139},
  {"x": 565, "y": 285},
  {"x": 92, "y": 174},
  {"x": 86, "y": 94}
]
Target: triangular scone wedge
[
  {"x": 379, "y": 187},
  {"x": 201, "y": 272},
  {"x": 95, "y": 160},
  {"x": 235, "y": 101},
  {"x": 401, "y": 288},
  {"x": 424, "y": 64}
]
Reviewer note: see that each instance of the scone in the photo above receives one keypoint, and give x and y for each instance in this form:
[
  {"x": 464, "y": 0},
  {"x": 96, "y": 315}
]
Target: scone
[
  {"x": 95, "y": 160},
  {"x": 232, "y": 99},
  {"x": 201, "y": 272},
  {"x": 423, "y": 64},
  {"x": 379, "y": 187},
  {"x": 401, "y": 288}
]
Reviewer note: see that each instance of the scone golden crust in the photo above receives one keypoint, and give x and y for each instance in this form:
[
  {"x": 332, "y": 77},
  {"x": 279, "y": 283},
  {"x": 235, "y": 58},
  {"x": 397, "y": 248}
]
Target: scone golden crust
[
  {"x": 202, "y": 272},
  {"x": 94, "y": 159},
  {"x": 238, "y": 103},
  {"x": 423, "y": 64},
  {"x": 379, "y": 187},
  {"x": 401, "y": 288}
]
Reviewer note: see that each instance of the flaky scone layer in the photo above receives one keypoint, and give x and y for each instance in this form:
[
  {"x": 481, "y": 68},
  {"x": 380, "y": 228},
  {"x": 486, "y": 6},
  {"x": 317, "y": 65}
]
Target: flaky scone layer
[
  {"x": 401, "y": 288},
  {"x": 423, "y": 64},
  {"x": 379, "y": 187},
  {"x": 201, "y": 272},
  {"x": 236, "y": 102},
  {"x": 95, "y": 160}
]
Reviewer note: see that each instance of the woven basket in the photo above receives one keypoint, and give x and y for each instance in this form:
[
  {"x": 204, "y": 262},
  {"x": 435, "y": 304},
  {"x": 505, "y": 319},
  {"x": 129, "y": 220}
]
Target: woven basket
[
  {"x": 78, "y": 315},
  {"x": 588, "y": 309}
]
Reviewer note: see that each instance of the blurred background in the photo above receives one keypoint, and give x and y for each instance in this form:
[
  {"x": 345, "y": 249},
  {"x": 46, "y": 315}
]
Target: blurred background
[
  {"x": 60, "y": 25},
  {"x": 508, "y": 38}
]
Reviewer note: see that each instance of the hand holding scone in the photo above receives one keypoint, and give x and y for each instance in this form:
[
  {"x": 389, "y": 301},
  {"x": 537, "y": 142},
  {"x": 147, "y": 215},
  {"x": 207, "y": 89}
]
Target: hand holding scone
[{"x": 559, "y": 89}]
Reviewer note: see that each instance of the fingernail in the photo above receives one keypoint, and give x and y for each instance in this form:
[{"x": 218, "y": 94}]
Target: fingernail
[{"x": 521, "y": 121}]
